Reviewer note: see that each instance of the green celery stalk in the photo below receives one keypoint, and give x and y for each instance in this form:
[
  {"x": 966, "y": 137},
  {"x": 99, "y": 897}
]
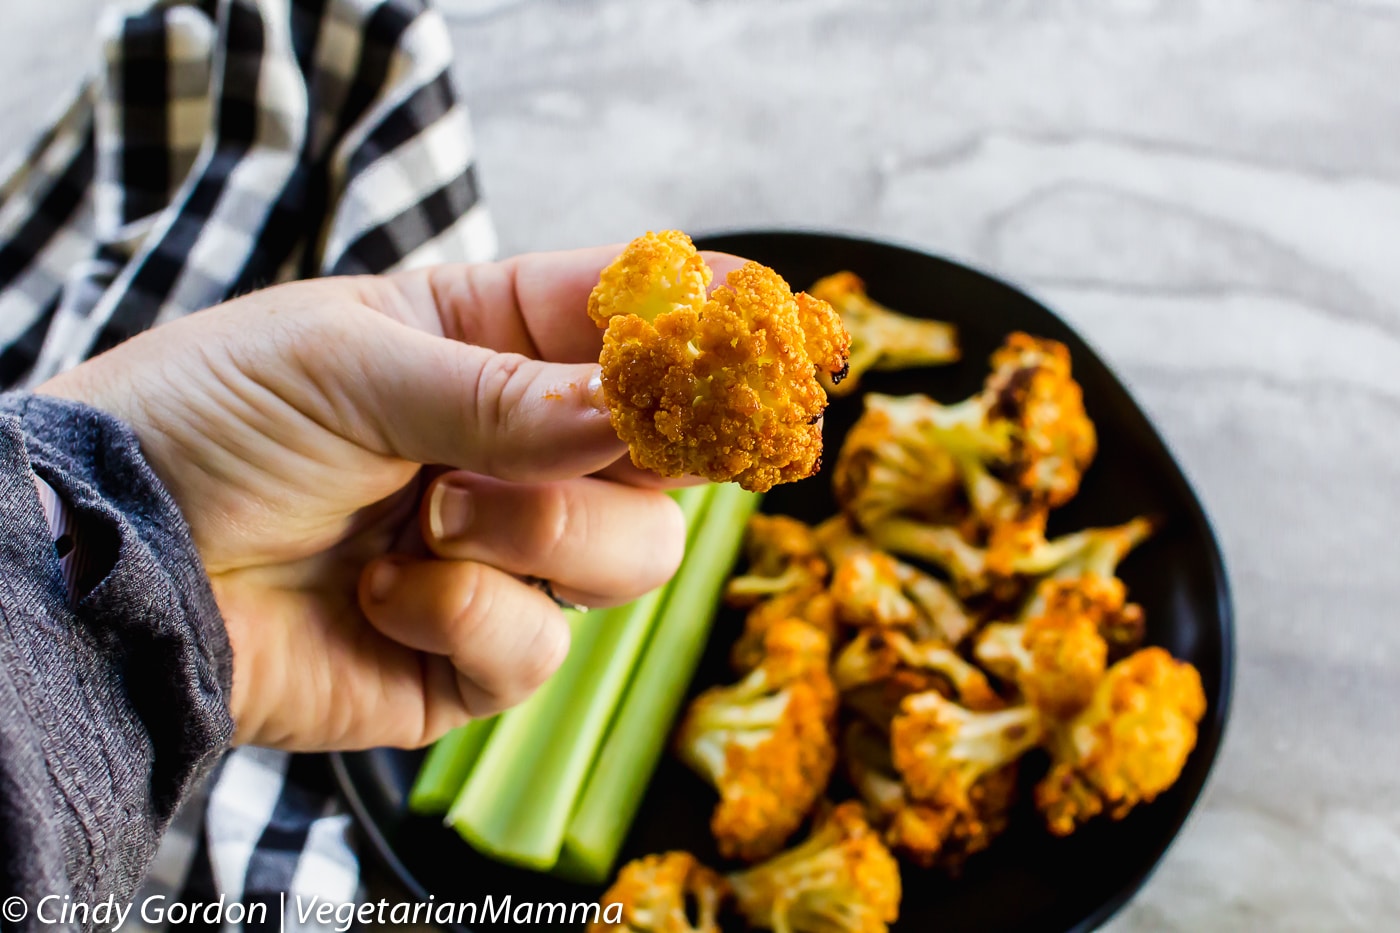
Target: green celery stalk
[
  {"x": 446, "y": 766},
  {"x": 635, "y": 742},
  {"x": 516, "y": 804}
]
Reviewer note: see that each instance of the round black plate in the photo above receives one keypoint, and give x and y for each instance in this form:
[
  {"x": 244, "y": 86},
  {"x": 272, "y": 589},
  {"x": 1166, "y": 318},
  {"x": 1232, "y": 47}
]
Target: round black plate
[{"x": 1027, "y": 880}]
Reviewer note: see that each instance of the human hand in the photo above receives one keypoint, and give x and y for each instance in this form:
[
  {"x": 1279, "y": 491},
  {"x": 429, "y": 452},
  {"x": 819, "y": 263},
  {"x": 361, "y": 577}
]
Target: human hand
[{"x": 370, "y": 601}]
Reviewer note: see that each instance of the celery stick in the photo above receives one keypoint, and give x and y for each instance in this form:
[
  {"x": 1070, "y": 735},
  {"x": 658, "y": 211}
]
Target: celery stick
[
  {"x": 517, "y": 802},
  {"x": 496, "y": 789},
  {"x": 638, "y": 735},
  {"x": 446, "y": 766}
]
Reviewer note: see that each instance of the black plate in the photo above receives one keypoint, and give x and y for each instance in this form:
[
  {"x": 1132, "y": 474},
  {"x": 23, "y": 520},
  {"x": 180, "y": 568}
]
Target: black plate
[{"x": 1027, "y": 880}]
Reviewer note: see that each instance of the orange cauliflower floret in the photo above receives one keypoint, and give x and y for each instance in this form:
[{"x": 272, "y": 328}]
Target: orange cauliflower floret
[
  {"x": 724, "y": 387},
  {"x": 1018, "y": 553},
  {"x": 1052, "y": 439},
  {"x": 1128, "y": 745},
  {"x": 887, "y": 467},
  {"x": 929, "y": 835},
  {"x": 766, "y": 743},
  {"x": 1019, "y": 446},
  {"x": 660, "y": 894},
  {"x": 783, "y": 556},
  {"x": 871, "y": 588},
  {"x": 942, "y": 749},
  {"x": 814, "y": 607},
  {"x": 882, "y": 339},
  {"x": 1056, "y": 654},
  {"x": 842, "y": 879},
  {"x": 867, "y": 591},
  {"x": 786, "y": 577},
  {"x": 875, "y": 656}
]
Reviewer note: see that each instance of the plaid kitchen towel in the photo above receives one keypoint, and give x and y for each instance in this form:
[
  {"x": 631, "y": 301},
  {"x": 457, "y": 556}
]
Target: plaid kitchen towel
[{"x": 223, "y": 145}]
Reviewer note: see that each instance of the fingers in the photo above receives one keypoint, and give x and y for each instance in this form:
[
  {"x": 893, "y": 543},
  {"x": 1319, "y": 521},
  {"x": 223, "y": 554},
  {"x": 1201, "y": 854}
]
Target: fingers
[
  {"x": 502, "y": 638},
  {"x": 598, "y": 542},
  {"x": 535, "y": 304},
  {"x": 626, "y": 472},
  {"x": 401, "y": 392}
]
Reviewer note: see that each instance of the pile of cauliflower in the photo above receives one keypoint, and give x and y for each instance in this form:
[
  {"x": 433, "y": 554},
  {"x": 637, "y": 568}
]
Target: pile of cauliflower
[{"x": 917, "y": 646}]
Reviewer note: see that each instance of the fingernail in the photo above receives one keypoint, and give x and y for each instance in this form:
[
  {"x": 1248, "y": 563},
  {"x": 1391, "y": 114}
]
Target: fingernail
[
  {"x": 382, "y": 579},
  {"x": 450, "y": 512},
  {"x": 595, "y": 391}
]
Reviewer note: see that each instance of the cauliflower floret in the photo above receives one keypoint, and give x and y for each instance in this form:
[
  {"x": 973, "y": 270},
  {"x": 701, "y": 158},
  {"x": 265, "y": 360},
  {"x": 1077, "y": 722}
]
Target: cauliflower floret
[
  {"x": 870, "y": 587},
  {"x": 1090, "y": 569},
  {"x": 838, "y": 539},
  {"x": 813, "y": 606},
  {"x": 866, "y": 589},
  {"x": 1056, "y": 654},
  {"x": 766, "y": 743},
  {"x": 942, "y": 749},
  {"x": 783, "y": 555},
  {"x": 1020, "y": 552},
  {"x": 654, "y": 892},
  {"x": 875, "y": 656},
  {"x": 882, "y": 339},
  {"x": 887, "y": 468},
  {"x": 1053, "y": 439},
  {"x": 1018, "y": 447},
  {"x": 1128, "y": 745},
  {"x": 724, "y": 387},
  {"x": 842, "y": 879},
  {"x": 927, "y": 835}
]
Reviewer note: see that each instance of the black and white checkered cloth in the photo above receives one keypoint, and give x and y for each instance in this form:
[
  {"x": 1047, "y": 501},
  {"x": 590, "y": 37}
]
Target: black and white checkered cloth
[{"x": 223, "y": 145}]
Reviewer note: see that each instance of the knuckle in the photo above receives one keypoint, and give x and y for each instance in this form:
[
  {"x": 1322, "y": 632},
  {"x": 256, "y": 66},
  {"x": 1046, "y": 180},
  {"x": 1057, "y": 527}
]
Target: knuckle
[
  {"x": 547, "y": 648},
  {"x": 556, "y": 528},
  {"x": 516, "y": 648},
  {"x": 474, "y": 601},
  {"x": 669, "y": 544},
  {"x": 497, "y": 389}
]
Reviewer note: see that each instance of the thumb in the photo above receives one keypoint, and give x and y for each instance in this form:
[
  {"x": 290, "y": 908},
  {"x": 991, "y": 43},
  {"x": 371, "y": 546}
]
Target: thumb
[{"x": 431, "y": 399}]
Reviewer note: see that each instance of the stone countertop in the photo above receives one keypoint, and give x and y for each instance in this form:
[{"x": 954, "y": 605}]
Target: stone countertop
[{"x": 1210, "y": 192}]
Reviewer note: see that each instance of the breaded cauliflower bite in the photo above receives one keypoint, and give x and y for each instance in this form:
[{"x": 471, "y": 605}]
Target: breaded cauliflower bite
[
  {"x": 654, "y": 893},
  {"x": 872, "y": 588},
  {"x": 767, "y": 743},
  {"x": 876, "y": 656},
  {"x": 813, "y": 606},
  {"x": 783, "y": 555},
  {"x": 1056, "y": 655},
  {"x": 1128, "y": 745},
  {"x": 928, "y": 835},
  {"x": 723, "y": 387},
  {"x": 942, "y": 749},
  {"x": 785, "y": 579},
  {"x": 842, "y": 879}
]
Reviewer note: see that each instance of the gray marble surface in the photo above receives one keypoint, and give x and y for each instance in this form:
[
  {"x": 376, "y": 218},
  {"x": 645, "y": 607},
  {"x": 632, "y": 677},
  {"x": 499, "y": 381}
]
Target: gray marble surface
[{"x": 1210, "y": 191}]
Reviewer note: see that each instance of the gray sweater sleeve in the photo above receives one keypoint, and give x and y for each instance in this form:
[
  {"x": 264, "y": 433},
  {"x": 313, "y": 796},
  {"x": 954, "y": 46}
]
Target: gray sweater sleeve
[{"x": 113, "y": 706}]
